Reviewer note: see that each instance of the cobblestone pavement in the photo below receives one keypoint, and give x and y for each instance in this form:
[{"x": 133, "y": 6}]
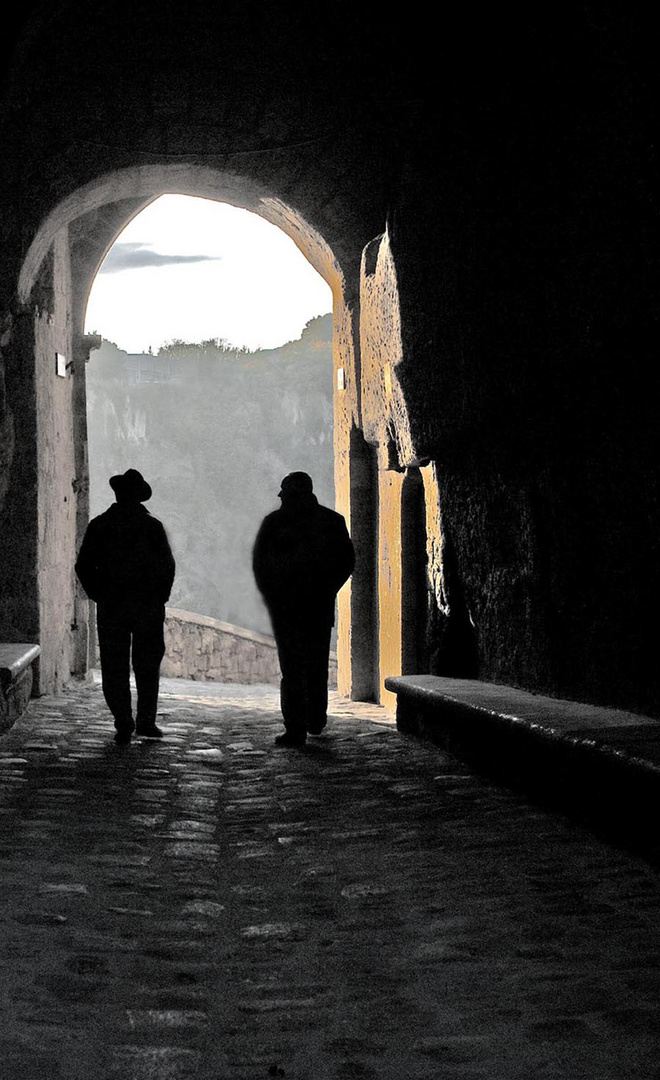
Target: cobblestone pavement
[{"x": 212, "y": 907}]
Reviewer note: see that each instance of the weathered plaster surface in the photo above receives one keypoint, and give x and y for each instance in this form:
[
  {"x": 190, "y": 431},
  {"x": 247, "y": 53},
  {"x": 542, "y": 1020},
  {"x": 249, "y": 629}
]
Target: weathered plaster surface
[{"x": 384, "y": 410}]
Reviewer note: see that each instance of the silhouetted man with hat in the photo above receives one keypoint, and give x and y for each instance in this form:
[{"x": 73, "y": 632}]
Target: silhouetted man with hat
[
  {"x": 126, "y": 566},
  {"x": 302, "y": 556}
]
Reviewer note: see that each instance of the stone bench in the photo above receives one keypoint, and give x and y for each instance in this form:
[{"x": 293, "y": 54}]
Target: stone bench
[
  {"x": 595, "y": 763},
  {"x": 16, "y": 676}
]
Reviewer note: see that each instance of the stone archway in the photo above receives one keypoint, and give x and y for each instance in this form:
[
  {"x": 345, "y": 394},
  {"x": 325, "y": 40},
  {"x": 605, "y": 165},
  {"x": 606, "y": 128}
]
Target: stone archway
[
  {"x": 53, "y": 287},
  {"x": 143, "y": 183}
]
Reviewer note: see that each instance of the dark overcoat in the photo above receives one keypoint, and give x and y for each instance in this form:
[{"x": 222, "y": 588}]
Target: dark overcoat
[
  {"x": 302, "y": 556},
  {"x": 125, "y": 555}
]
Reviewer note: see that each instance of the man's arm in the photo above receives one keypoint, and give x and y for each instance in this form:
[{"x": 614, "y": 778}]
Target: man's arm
[
  {"x": 267, "y": 562},
  {"x": 86, "y": 564},
  {"x": 344, "y": 555},
  {"x": 164, "y": 564},
  {"x": 260, "y": 559},
  {"x": 348, "y": 554}
]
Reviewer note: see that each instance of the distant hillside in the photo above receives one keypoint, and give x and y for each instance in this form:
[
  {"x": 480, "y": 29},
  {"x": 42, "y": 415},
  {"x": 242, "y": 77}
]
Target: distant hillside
[{"x": 213, "y": 430}]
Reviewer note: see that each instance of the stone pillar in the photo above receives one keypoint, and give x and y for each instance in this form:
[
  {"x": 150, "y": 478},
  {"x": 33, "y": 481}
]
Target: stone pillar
[
  {"x": 83, "y": 646},
  {"x": 385, "y": 425},
  {"x": 346, "y": 416},
  {"x": 390, "y": 580},
  {"x": 415, "y": 578},
  {"x": 55, "y": 378},
  {"x": 364, "y": 585}
]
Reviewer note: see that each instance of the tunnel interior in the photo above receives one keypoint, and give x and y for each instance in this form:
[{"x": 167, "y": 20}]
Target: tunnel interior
[{"x": 479, "y": 203}]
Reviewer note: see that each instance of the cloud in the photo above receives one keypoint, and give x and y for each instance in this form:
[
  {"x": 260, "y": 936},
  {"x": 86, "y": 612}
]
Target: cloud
[{"x": 135, "y": 256}]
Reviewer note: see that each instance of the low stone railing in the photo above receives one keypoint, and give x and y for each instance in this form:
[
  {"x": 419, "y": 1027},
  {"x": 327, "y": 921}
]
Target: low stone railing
[{"x": 199, "y": 647}]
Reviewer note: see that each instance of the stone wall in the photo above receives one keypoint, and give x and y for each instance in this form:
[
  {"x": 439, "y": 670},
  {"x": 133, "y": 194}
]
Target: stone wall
[{"x": 198, "y": 647}]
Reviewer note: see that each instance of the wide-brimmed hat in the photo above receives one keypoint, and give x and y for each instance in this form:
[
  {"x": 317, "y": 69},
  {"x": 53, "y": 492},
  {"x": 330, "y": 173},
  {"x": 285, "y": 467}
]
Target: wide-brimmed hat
[{"x": 130, "y": 485}]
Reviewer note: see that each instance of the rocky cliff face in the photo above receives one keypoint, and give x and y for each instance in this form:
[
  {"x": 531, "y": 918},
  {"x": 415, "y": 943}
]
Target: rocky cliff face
[{"x": 213, "y": 431}]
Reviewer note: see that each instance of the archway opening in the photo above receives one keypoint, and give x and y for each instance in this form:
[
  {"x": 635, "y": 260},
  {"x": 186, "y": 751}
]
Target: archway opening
[
  {"x": 214, "y": 378},
  {"x": 54, "y": 283}
]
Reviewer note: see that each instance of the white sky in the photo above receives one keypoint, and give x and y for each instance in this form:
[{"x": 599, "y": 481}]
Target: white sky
[{"x": 254, "y": 287}]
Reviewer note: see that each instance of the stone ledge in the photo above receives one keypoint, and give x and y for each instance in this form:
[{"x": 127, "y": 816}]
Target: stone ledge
[
  {"x": 599, "y": 765},
  {"x": 201, "y": 647},
  {"x": 217, "y": 624},
  {"x": 16, "y": 677}
]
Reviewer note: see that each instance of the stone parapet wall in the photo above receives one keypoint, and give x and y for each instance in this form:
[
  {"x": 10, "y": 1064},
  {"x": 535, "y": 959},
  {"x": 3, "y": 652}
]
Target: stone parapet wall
[{"x": 199, "y": 647}]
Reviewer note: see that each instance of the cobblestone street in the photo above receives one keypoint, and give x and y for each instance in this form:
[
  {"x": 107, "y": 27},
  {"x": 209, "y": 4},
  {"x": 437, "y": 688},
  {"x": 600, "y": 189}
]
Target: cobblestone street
[{"x": 211, "y": 906}]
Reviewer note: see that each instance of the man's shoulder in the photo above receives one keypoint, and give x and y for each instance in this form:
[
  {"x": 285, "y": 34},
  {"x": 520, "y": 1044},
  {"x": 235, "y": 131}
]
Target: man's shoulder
[
  {"x": 100, "y": 520},
  {"x": 332, "y": 517},
  {"x": 113, "y": 516},
  {"x": 272, "y": 519}
]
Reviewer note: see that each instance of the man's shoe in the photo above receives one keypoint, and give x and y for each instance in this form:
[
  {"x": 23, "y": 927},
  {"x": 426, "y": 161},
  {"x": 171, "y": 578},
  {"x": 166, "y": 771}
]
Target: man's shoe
[
  {"x": 289, "y": 739},
  {"x": 125, "y": 729},
  {"x": 148, "y": 730}
]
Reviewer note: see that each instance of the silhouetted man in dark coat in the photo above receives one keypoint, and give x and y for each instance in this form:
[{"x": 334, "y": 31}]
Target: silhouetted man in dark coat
[
  {"x": 126, "y": 566},
  {"x": 302, "y": 556}
]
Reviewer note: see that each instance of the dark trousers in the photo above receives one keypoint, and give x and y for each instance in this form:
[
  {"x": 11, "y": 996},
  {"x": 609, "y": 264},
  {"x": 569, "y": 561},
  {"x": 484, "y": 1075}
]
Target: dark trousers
[
  {"x": 303, "y": 648},
  {"x": 131, "y": 630}
]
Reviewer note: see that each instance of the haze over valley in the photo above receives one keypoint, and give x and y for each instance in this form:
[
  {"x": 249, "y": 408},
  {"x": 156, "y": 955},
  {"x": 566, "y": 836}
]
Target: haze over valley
[{"x": 213, "y": 429}]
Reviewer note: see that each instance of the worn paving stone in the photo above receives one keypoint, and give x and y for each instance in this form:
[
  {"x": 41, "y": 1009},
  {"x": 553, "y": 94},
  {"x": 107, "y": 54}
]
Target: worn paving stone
[{"x": 211, "y": 906}]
